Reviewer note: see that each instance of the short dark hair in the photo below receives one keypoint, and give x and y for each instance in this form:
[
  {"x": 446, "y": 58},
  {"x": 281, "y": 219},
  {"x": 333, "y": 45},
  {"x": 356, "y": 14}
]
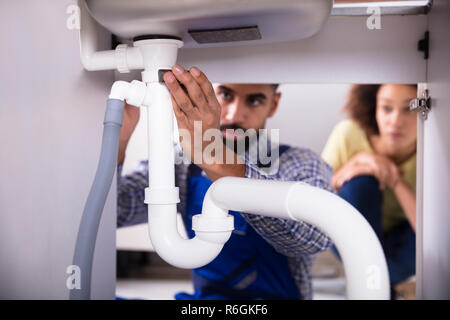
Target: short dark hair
[
  {"x": 275, "y": 86},
  {"x": 361, "y": 106}
]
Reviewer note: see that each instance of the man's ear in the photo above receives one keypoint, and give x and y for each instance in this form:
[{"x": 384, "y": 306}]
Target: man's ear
[{"x": 274, "y": 107}]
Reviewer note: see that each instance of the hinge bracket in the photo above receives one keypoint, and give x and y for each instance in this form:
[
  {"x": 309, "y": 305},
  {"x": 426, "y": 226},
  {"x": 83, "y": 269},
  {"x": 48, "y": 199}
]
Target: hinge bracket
[{"x": 421, "y": 104}]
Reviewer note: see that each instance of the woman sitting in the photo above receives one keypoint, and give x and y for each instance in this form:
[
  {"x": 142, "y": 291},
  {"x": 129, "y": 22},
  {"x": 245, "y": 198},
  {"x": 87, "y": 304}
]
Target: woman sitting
[{"x": 373, "y": 154}]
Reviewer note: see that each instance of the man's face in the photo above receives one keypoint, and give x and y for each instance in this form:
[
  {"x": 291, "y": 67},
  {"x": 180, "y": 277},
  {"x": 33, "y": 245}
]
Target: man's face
[{"x": 245, "y": 106}]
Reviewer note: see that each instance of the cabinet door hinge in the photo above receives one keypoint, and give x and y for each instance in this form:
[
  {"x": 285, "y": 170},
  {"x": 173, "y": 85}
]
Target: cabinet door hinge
[{"x": 421, "y": 104}]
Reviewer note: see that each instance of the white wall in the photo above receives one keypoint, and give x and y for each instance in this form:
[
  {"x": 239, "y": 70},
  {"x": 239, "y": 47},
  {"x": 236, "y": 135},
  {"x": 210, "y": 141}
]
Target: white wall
[
  {"x": 308, "y": 112},
  {"x": 344, "y": 51},
  {"x": 51, "y": 114}
]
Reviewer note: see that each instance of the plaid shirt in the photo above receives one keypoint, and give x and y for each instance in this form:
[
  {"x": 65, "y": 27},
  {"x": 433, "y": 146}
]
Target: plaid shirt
[{"x": 297, "y": 240}]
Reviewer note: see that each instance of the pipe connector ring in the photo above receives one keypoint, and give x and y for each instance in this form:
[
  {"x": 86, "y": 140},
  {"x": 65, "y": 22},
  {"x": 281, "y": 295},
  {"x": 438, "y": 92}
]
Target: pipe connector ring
[
  {"x": 162, "y": 196},
  {"x": 213, "y": 229},
  {"x": 121, "y": 58}
]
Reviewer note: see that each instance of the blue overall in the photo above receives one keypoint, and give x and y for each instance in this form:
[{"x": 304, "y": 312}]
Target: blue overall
[{"x": 247, "y": 267}]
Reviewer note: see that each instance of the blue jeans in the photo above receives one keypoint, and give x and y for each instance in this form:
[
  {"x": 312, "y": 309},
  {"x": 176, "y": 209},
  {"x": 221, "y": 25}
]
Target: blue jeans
[{"x": 399, "y": 244}]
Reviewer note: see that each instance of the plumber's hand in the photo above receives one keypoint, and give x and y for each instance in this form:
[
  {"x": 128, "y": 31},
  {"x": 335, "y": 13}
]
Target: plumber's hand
[
  {"x": 130, "y": 119},
  {"x": 198, "y": 102}
]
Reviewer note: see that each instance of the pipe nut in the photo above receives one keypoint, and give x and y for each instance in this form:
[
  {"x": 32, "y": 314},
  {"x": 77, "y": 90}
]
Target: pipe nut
[
  {"x": 212, "y": 224},
  {"x": 213, "y": 229},
  {"x": 136, "y": 93},
  {"x": 121, "y": 58},
  {"x": 214, "y": 237}
]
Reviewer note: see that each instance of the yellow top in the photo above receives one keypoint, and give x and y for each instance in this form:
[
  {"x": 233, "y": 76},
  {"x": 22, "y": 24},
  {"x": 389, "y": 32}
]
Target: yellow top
[{"x": 348, "y": 139}]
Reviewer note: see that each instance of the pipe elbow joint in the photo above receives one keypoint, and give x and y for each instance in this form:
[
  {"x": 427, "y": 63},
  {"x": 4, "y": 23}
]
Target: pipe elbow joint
[
  {"x": 215, "y": 230},
  {"x": 134, "y": 93},
  {"x": 214, "y": 224}
]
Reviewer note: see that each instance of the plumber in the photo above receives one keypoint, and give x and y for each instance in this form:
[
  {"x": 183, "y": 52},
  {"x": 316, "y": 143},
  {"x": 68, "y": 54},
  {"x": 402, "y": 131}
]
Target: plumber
[{"x": 265, "y": 258}]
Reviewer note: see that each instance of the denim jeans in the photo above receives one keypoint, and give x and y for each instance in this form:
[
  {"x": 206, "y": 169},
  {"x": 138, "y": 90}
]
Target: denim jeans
[{"x": 399, "y": 243}]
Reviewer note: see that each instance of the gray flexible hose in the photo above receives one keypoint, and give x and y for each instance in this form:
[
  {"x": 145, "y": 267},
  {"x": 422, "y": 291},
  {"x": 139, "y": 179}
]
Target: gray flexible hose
[{"x": 87, "y": 233}]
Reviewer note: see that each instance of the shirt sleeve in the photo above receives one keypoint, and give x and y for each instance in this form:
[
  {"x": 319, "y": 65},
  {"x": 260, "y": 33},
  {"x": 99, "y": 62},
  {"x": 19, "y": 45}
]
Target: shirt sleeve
[
  {"x": 289, "y": 237},
  {"x": 131, "y": 208}
]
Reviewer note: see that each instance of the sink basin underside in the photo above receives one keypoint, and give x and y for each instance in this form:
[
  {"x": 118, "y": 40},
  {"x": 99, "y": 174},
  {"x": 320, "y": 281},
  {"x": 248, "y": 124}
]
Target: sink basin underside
[{"x": 261, "y": 20}]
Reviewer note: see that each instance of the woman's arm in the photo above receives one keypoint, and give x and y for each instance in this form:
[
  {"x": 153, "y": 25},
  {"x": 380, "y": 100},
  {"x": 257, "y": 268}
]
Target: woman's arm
[
  {"x": 367, "y": 163},
  {"x": 349, "y": 170},
  {"x": 407, "y": 199},
  {"x": 387, "y": 174}
]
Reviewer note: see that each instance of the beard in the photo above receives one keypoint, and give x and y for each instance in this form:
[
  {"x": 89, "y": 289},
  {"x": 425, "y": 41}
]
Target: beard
[
  {"x": 242, "y": 145},
  {"x": 254, "y": 145}
]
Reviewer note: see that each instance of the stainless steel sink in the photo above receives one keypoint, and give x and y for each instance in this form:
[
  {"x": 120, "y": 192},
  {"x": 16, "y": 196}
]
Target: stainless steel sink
[{"x": 213, "y": 22}]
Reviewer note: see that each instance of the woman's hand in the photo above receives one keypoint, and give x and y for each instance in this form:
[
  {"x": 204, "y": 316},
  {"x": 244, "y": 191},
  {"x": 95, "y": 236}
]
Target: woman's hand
[
  {"x": 348, "y": 172},
  {"x": 365, "y": 163}
]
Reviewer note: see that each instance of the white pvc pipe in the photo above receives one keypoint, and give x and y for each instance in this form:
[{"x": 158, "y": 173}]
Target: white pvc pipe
[
  {"x": 362, "y": 255},
  {"x": 162, "y": 195},
  {"x": 135, "y": 93},
  {"x": 120, "y": 90},
  {"x": 160, "y": 137},
  {"x": 157, "y": 54},
  {"x": 123, "y": 58},
  {"x": 167, "y": 242},
  {"x": 90, "y": 58}
]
